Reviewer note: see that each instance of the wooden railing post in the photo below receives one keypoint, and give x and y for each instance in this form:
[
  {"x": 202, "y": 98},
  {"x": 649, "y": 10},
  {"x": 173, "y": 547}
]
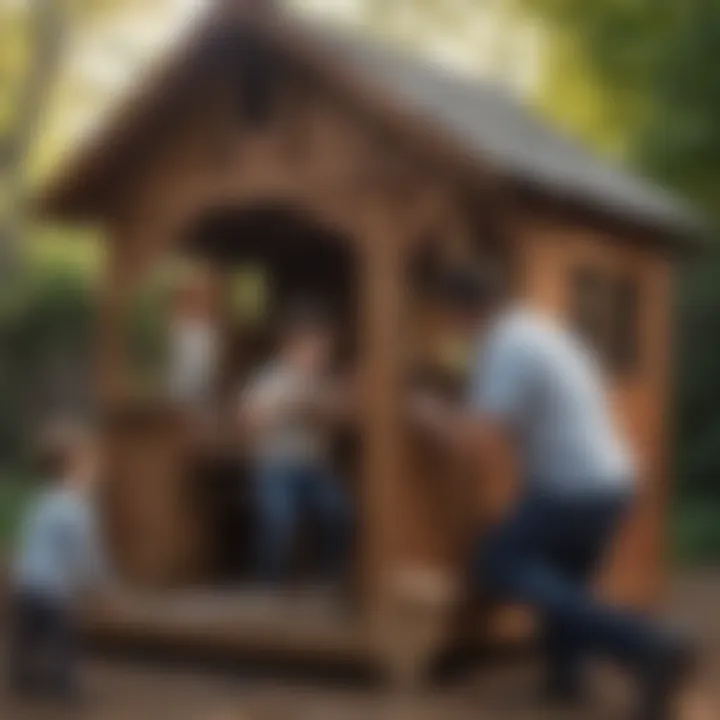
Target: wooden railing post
[
  {"x": 381, "y": 352},
  {"x": 112, "y": 354}
]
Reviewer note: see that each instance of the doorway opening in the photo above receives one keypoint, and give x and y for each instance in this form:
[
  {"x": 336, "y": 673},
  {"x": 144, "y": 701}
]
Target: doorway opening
[{"x": 268, "y": 259}]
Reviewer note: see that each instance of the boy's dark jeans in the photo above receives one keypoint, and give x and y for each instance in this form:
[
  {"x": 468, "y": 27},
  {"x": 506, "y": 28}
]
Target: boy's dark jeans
[
  {"x": 545, "y": 555},
  {"x": 43, "y": 646},
  {"x": 283, "y": 494}
]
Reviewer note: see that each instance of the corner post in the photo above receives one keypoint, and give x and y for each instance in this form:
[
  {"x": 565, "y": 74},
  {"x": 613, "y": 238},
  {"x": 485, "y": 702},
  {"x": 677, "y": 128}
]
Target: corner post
[
  {"x": 406, "y": 622},
  {"x": 381, "y": 352}
]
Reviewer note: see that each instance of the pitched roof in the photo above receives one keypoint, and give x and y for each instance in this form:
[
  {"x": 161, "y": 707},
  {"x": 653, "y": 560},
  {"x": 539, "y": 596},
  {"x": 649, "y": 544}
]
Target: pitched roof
[
  {"x": 487, "y": 123},
  {"x": 499, "y": 128}
]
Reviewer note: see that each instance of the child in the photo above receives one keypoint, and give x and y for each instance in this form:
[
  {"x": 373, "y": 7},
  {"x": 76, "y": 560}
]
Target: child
[
  {"x": 287, "y": 408},
  {"x": 58, "y": 557},
  {"x": 194, "y": 351}
]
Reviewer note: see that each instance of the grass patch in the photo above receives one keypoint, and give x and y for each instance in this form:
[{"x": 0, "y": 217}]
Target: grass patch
[{"x": 15, "y": 492}]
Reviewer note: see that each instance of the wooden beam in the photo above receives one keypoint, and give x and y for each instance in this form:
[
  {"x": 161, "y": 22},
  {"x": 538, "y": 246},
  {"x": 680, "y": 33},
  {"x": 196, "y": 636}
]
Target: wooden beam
[
  {"x": 113, "y": 371},
  {"x": 382, "y": 325}
]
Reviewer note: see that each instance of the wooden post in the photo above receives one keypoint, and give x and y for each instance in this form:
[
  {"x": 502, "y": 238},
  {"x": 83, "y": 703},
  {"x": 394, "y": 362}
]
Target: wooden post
[
  {"x": 406, "y": 619},
  {"x": 111, "y": 378},
  {"x": 383, "y": 442},
  {"x": 112, "y": 371}
]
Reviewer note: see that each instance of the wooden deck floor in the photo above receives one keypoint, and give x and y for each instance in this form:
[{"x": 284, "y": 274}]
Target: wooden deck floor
[{"x": 144, "y": 690}]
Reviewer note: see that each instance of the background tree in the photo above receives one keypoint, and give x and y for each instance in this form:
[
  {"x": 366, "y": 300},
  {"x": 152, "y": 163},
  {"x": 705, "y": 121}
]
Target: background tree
[
  {"x": 45, "y": 300},
  {"x": 35, "y": 37},
  {"x": 32, "y": 36}
]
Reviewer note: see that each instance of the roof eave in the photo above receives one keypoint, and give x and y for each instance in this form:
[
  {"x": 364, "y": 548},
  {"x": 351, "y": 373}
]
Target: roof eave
[{"x": 682, "y": 235}]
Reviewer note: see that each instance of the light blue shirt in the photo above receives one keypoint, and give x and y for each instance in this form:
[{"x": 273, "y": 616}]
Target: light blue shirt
[
  {"x": 60, "y": 552},
  {"x": 542, "y": 381}
]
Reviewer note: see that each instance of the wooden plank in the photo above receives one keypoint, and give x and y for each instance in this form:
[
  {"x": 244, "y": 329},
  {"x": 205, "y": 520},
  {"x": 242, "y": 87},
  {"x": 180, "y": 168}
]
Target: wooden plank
[{"x": 310, "y": 626}]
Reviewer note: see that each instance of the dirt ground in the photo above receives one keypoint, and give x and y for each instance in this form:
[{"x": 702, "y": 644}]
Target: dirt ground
[{"x": 132, "y": 690}]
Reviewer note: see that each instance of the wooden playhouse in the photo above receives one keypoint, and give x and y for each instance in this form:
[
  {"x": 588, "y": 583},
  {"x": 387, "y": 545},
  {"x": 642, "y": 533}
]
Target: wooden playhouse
[{"x": 335, "y": 164}]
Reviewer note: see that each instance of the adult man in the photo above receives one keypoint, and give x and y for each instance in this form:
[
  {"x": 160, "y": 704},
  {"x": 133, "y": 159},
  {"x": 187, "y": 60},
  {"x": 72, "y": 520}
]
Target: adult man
[{"x": 536, "y": 387}]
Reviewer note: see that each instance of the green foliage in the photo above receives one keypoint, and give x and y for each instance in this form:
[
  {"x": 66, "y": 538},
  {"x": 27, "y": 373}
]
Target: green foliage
[
  {"x": 45, "y": 334},
  {"x": 697, "y": 531},
  {"x": 35, "y": 36},
  {"x": 646, "y": 66},
  {"x": 48, "y": 332},
  {"x": 147, "y": 322},
  {"x": 15, "y": 493},
  {"x": 13, "y": 57}
]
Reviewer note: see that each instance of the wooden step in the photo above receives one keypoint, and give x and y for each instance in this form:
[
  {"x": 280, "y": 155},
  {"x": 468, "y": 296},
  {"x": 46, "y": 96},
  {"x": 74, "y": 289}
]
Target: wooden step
[{"x": 306, "y": 625}]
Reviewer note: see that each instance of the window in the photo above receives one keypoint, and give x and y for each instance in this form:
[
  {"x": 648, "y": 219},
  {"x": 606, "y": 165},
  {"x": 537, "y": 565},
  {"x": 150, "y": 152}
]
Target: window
[
  {"x": 625, "y": 338},
  {"x": 605, "y": 310}
]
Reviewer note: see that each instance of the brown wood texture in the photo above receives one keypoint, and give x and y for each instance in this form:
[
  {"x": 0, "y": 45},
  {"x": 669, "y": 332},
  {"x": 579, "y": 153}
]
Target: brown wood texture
[
  {"x": 115, "y": 158},
  {"x": 418, "y": 509},
  {"x": 383, "y": 440},
  {"x": 325, "y": 163},
  {"x": 154, "y": 523}
]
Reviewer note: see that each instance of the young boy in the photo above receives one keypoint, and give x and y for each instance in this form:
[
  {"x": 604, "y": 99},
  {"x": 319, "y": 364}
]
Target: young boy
[
  {"x": 59, "y": 556},
  {"x": 194, "y": 345},
  {"x": 286, "y": 408}
]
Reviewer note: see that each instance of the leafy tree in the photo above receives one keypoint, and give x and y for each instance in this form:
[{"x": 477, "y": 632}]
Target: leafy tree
[
  {"x": 45, "y": 307},
  {"x": 34, "y": 38},
  {"x": 33, "y": 35}
]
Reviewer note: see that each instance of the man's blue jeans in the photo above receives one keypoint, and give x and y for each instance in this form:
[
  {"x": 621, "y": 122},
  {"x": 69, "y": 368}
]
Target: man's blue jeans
[
  {"x": 285, "y": 493},
  {"x": 545, "y": 556}
]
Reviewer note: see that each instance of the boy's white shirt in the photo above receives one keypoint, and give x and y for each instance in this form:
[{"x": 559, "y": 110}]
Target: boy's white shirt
[
  {"x": 61, "y": 551},
  {"x": 282, "y": 433}
]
